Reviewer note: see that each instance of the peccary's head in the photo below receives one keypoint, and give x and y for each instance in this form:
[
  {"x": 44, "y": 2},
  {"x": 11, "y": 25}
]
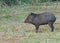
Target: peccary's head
[{"x": 30, "y": 18}]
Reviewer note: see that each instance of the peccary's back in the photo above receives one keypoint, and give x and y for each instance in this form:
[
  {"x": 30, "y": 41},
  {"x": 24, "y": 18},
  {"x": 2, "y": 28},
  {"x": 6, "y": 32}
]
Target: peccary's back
[{"x": 45, "y": 18}]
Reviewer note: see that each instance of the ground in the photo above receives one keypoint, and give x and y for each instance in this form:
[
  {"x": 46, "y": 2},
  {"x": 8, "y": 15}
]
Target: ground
[{"x": 14, "y": 30}]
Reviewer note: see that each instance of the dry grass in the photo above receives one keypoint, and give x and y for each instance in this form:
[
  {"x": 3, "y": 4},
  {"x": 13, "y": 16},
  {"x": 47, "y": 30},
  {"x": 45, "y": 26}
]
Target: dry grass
[{"x": 13, "y": 30}]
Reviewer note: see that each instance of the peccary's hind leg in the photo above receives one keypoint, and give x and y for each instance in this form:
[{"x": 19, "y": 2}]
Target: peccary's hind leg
[
  {"x": 51, "y": 26},
  {"x": 37, "y": 27}
]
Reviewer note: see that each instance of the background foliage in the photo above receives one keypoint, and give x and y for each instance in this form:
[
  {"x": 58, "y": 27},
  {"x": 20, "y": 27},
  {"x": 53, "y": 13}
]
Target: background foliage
[{"x": 31, "y": 2}]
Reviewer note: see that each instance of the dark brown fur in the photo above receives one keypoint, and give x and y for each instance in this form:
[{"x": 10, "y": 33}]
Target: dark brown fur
[{"x": 41, "y": 19}]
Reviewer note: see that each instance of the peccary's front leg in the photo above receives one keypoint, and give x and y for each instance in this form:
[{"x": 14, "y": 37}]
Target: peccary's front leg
[{"x": 37, "y": 27}]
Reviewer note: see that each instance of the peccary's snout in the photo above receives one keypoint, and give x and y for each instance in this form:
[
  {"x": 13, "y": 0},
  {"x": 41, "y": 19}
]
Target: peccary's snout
[{"x": 25, "y": 21}]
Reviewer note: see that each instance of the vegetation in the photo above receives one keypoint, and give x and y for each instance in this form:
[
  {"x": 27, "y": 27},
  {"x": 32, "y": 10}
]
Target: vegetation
[
  {"x": 14, "y": 30},
  {"x": 17, "y": 2}
]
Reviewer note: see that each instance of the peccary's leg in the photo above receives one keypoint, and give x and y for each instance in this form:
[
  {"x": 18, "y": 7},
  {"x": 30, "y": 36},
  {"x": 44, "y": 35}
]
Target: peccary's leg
[
  {"x": 37, "y": 27},
  {"x": 51, "y": 26}
]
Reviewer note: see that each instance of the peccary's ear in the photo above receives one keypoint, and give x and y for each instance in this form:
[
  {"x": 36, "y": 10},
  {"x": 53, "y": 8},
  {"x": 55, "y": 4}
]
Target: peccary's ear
[{"x": 33, "y": 14}]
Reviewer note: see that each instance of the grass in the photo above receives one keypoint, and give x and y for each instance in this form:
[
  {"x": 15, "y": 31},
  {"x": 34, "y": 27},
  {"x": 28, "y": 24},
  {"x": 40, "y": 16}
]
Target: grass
[{"x": 14, "y": 30}]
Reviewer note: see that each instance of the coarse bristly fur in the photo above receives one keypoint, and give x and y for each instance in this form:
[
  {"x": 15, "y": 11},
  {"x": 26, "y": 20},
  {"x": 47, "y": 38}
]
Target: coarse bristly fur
[{"x": 41, "y": 19}]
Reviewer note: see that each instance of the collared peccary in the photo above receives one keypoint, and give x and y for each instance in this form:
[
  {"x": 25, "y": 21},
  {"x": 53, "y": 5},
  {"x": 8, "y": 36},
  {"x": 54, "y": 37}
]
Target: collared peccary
[{"x": 41, "y": 19}]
